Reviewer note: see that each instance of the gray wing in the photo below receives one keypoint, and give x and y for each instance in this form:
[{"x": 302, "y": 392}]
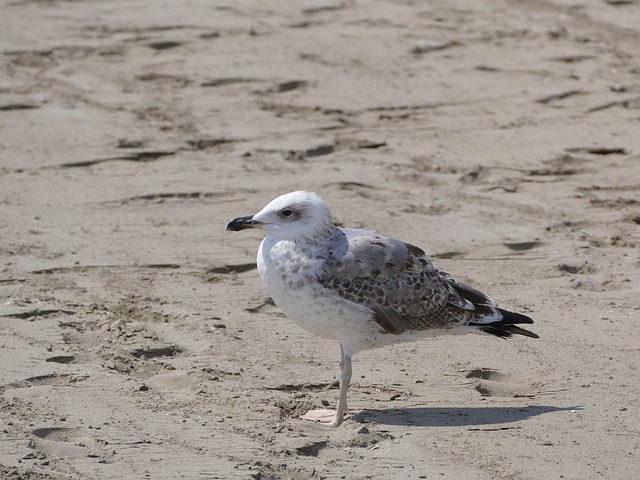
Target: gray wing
[{"x": 400, "y": 284}]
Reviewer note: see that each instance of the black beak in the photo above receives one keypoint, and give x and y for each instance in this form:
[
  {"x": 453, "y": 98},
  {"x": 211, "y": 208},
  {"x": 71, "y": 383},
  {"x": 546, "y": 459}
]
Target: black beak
[{"x": 242, "y": 223}]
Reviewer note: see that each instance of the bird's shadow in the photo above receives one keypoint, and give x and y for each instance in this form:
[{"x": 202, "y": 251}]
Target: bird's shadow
[{"x": 454, "y": 416}]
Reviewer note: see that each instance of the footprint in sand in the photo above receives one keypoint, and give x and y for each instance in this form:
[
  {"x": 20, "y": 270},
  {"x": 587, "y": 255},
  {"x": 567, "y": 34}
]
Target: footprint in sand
[
  {"x": 67, "y": 442},
  {"x": 491, "y": 383}
]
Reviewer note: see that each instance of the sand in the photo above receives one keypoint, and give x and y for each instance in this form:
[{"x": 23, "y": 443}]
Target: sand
[{"x": 136, "y": 340}]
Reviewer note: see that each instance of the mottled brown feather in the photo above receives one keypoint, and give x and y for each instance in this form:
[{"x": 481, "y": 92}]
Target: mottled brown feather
[{"x": 403, "y": 288}]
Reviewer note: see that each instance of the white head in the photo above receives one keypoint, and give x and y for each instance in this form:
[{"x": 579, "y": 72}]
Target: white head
[{"x": 291, "y": 216}]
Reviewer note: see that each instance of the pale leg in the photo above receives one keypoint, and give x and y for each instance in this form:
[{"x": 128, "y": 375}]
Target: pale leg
[
  {"x": 345, "y": 380},
  {"x": 335, "y": 417}
]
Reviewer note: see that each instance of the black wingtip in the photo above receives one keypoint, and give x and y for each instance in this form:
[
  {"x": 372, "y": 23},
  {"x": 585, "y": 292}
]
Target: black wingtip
[
  {"x": 513, "y": 317},
  {"x": 506, "y": 331},
  {"x": 506, "y": 327}
]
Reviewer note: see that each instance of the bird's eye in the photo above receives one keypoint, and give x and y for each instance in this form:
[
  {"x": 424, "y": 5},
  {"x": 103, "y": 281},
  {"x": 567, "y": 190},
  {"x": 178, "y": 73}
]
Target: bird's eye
[{"x": 286, "y": 212}]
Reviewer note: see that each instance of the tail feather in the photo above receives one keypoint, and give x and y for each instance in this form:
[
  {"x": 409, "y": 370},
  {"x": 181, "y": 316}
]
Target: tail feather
[{"x": 506, "y": 327}]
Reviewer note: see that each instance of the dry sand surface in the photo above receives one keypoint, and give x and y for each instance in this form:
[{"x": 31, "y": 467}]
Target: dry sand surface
[{"x": 136, "y": 340}]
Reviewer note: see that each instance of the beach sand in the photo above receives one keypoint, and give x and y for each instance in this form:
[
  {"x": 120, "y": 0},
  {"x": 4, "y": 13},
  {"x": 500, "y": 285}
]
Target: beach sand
[{"x": 136, "y": 339}]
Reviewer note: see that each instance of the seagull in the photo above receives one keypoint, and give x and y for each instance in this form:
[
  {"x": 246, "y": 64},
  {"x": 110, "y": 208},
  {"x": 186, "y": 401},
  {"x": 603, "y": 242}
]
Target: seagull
[{"x": 360, "y": 287}]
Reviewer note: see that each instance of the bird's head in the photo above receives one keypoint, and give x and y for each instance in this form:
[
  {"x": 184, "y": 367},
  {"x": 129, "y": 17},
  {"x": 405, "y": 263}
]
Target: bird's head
[{"x": 292, "y": 216}]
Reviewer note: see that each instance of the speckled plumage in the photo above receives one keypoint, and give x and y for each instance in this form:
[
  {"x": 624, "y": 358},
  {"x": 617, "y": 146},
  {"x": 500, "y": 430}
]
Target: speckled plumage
[{"x": 401, "y": 286}]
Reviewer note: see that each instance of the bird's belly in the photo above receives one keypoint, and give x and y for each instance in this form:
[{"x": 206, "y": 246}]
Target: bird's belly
[{"x": 305, "y": 302}]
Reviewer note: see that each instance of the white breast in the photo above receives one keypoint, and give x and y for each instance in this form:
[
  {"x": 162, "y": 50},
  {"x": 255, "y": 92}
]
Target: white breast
[{"x": 290, "y": 279}]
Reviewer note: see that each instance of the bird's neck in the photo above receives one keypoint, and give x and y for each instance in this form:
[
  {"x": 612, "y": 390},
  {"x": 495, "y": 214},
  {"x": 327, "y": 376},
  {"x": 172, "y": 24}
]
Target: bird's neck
[{"x": 317, "y": 240}]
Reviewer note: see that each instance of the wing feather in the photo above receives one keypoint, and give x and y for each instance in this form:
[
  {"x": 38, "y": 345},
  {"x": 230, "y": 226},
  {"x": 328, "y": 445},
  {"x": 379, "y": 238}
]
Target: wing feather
[{"x": 402, "y": 287}]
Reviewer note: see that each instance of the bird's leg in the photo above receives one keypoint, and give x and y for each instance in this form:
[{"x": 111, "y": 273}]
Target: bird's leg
[
  {"x": 335, "y": 417},
  {"x": 345, "y": 380}
]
